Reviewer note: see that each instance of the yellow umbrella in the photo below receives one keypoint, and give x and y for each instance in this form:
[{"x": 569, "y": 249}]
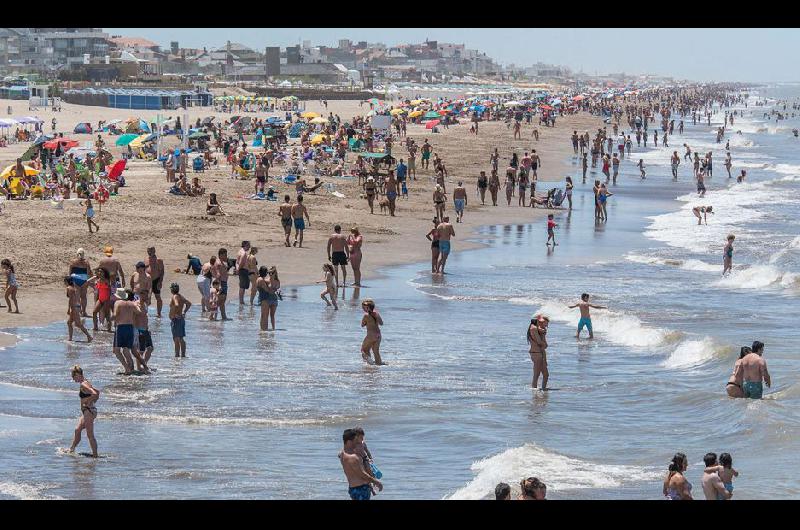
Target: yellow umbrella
[
  {"x": 415, "y": 114},
  {"x": 29, "y": 171},
  {"x": 138, "y": 141},
  {"x": 318, "y": 139},
  {"x": 318, "y": 119},
  {"x": 395, "y": 112},
  {"x": 416, "y": 102},
  {"x": 309, "y": 115}
]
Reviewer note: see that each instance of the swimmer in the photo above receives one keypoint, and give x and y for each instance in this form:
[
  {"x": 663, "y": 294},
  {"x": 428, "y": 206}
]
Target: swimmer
[
  {"x": 586, "y": 318},
  {"x": 704, "y": 210},
  {"x": 372, "y": 321},
  {"x": 727, "y": 255}
]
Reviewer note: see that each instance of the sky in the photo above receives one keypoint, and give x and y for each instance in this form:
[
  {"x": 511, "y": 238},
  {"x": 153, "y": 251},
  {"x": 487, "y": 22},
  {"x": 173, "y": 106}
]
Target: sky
[{"x": 708, "y": 54}]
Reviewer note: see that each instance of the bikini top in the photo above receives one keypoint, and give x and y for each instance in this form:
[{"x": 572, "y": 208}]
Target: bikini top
[{"x": 83, "y": 394}]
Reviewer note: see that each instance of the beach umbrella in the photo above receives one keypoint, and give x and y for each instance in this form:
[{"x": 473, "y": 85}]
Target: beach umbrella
[
  {"x": 8, "y": 122},
  {"x": 318, "y": 120},
  {"x": 395, "y": 112},
  {"x": 42, "y": 139},
  {"x": 125, "y": 139},
  {"x": 415, "y": 114},
  {"x": 139, "y": 140},
  {"x": 431, "y": 124},
  {"x": 318, "y": 139},
  {"x": 309, "y": 115},
  {"x": 65, "y": 144},
  {"x": 556, "y": 102},
  {"x": 199, "y": 134},
  {"x": 579, "y": 98},
  {"x": 431, "y": 115},
  {"x": 445, "y": 111},
  {"x": 546, "y": 107},
  {"x": 116, "y": 170},
  {"x": 29, "y": 171}
]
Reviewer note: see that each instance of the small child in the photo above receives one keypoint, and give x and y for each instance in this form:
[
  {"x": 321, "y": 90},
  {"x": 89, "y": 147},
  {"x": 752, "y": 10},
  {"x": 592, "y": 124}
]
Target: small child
[
  {"x": 213, "y": 300},
  {"x": 551, "y": 224},
  {"x": 11, "y": 285},
  {"x": 640, "y": 165},
  {"x": 726, "y": 471},
  {"x": 330, "y": 285},
  {"x": 89, "y": 213},
  {"x": 362, "y": 450}
]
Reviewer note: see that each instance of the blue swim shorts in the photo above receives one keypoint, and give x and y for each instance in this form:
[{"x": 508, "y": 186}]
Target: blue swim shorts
[
  {"x": 444, "y": 246},
  {"x": 585, "y": 322}
]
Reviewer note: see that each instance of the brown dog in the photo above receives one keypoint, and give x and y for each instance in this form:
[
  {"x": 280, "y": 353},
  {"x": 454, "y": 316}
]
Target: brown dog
[{"x": 384, "y": 204}]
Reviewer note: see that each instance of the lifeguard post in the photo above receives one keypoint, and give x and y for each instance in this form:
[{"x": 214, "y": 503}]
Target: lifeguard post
[{"x": 38, "y": 96}]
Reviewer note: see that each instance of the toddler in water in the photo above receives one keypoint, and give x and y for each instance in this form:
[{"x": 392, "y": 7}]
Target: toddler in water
[
  {"x": 551, "y": 225},
  {"x": 726, "y": 471},
  {"x": 330, "y": 285},
  {"x": 213, "y": 300}
]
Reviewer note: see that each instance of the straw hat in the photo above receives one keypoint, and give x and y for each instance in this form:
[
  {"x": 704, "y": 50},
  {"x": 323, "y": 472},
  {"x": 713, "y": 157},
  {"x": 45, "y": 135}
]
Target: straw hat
[{"x": 108, "y": 250}]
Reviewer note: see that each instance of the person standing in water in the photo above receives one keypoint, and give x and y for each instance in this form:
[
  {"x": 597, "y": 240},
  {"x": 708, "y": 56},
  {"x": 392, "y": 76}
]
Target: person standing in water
[
  {"x": 359, "y": 481},
  {"x": 586, "y": 317},
  {"x": 537, "y": 338},
  {"x": 88, "y": 396},
  {"x": 178, "y": 307},
  {"x": 734, "y": 386},
  {"x": 713, "y": 487},
  {"x": 551, "y": 225},
  {"x": 446, "y": 231},
  {"x": 701, "y": 212},
  {"x": 727, "y": 255},
  {"x": 676, "y": 487},
  {"x": 372, "y": 321},
  {"x": 155, "y": 268},
  {"x": 753, "y": 370},
  {"x": 331, "y": 288},
  {"x": 338, "y": 253},
  {"x": 354, "y": 242},
  {"x": 74, "y": 309}
]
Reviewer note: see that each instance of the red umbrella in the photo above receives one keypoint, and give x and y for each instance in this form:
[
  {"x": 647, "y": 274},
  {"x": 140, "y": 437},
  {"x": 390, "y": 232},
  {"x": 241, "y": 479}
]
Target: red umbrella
[
  {"x": 65, "y": 144},
  {"x": 113, "y": 172},
  {"x": 546, "y": 107},
  {"x": 444, "y": 111},
  {"x": 431, "y": 124}
]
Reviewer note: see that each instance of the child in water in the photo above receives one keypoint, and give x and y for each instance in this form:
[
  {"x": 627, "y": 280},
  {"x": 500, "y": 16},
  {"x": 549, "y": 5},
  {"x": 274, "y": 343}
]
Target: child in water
[
  {"x": 551, "y": 224},
  {"x": 330, "y": 285},
  {"x": 726, "y": 471},
  {"x": 213, "y": 300}
]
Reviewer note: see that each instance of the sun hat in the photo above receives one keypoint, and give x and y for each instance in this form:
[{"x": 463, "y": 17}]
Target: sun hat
[
  {"x": 121, "y": 294},
  {"x": 108, "y": 250}
]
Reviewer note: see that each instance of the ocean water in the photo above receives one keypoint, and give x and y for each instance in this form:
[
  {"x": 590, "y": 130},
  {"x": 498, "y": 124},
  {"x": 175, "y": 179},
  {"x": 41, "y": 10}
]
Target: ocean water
[{"x": 251, "y": 415}]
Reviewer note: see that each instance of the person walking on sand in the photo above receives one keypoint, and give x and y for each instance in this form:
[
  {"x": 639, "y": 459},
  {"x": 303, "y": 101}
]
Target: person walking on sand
[
  {"x": 727, "y": 255},
  {"x": 330, "y": 286},
  {"x": 88, "y": 212},
  {"x": 178, "y": 307},
  {"x": 10, "y": 293},
  {"x": 460, "y": 200},
  {"x": 482, "y": 185},
  {"x": 446, "y": 231},
  {"x": 372, "y": 342},
  {"x": 337, "y": 253},
  {"x": 88, "y": 395},
  {"x": 354, "y": 242},
  {"x": 74, "y": 310},
  {"x": 586, "y": 318},
  {"x": 537, "y": 338},
  {"x": 155, "y": 268},
  {"x": 359, "y": 481},
  {"x": 753, "y": 370},
  {"x": 494, "y": 186},
  {"x": 285, "y": 212},
  {"x": 298, "y": 212}
]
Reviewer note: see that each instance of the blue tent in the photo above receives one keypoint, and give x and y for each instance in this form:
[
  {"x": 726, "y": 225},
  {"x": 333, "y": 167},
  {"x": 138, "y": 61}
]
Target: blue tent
[
  {"x": 83, "y": 128},
  {"x": 143, "y": 125}
]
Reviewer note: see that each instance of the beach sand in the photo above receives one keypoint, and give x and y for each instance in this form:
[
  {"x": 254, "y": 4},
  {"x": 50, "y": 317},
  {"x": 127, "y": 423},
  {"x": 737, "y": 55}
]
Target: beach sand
[{"x": 40, "y": 240}]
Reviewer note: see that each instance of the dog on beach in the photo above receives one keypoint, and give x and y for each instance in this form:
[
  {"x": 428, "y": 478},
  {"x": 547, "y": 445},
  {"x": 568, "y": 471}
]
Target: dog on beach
[{"x": 384, "y": 204}]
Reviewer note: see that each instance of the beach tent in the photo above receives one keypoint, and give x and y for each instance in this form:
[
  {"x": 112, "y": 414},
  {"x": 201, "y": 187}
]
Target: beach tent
[
  {"x": 83, "y": 128},
  {"x": 431, "y": 124},
  {"x": 9, "y": 122},
  {"x": 30, "y": 119},
  {"x": 125, "y": 139},
  {"x": 29, "y": 171}
]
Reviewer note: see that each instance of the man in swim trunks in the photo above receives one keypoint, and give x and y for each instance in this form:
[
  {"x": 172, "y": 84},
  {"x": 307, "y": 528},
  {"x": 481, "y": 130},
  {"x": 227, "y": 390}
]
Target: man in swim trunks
[
  {"x": 141, "y": 283},
  {"x": 242, "y": 271},
  {"x": 285, "y": 211},
  {"x": 586, "y": 318},
  {"x": 124, "y": 312},
  {"x": 358, "y": 480},
  {"x": 298, "y": 211},
  {"x": 178, "y": 307},
  {"x": 392, "y": 187},
  {"x": 460, "y": 200},
  {"x": 219, "y": 271},
  {"x": 112, "y": 266},
  {"x": 753, "y": 369},
  {"x": 337, "y": 253},
  {"x": 426, "y": 154},
  {"x": 155, "y": 268},
  {"x": 143, "y": 342},
  {"x": 445, "y": 233}
]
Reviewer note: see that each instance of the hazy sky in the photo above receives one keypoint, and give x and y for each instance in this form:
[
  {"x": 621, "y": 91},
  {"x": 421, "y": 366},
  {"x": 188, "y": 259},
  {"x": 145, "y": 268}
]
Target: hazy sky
[{"x": 699, "y": 54}]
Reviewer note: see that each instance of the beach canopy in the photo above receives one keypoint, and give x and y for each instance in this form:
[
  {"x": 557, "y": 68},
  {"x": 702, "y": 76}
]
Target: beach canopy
[
  {"x": 125, "y": 139},
  {"x": 83, "y": 128},
  {"x": 29, "y": 171},
  {"x": 431, "y": 124},
  {"x": 30, "y": 119},
  {"x": 9, "y": 122},
  {"x": 309, "y": 115},
  {"x": 432, "y": 115},
  {"x": 512, "y": 103}
]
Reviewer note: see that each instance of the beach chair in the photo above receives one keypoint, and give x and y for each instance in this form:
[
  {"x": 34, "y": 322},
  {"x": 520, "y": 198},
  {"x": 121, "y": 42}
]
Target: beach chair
[{"x": 197, "y": 165}]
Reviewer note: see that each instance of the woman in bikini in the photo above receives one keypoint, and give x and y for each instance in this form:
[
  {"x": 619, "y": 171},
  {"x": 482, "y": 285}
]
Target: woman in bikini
[
  {"x": 734, "y": 386},
  {"x": 74, "y": 309},
  {"x": 372, "y": 321},
  {"x": 568, "y": 193},
  {"x": 676, "y": 487},
  {"x": 537, "y": 338},
  {"x": 89, "y": 396},
  {"x": 354, "y": 242},
  {"x": 439, "y": 199},
  {"x": 433, "y": 237}
]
